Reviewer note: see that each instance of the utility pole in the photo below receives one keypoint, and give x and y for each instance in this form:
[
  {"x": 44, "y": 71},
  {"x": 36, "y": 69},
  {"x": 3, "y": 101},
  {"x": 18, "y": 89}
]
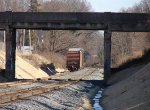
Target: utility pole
[
  {"x": 30, "y": 39},
  {"x": 23, "y": 40},
  {"x": 4, "y": 39},
  {"x": 34, "y": 7}
]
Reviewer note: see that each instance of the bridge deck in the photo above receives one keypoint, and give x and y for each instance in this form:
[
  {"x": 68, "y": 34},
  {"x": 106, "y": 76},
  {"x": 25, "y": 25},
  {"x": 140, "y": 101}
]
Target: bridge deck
[{"x": 77, "y": 21}]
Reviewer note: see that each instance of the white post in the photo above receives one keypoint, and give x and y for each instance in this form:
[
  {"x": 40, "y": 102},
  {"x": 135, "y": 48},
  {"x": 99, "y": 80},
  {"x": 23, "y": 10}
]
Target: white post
[
  {"x": 30, "y": 39},
  {"x": 24, "y": 33},
  {"x": 4, "y": 39}
]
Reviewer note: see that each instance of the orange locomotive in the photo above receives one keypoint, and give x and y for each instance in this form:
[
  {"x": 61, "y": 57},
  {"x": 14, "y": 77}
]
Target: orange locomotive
[{"x": 75, "y": 59}]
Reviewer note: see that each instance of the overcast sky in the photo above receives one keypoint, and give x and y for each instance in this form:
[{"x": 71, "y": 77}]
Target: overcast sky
[{"x": 111, "y": 5}]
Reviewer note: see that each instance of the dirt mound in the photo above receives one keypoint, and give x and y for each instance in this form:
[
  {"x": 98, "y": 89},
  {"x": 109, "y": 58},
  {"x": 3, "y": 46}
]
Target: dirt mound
[
  {"x": 35, "y": 59},
  {"x": 24, "y": 70},
  {"x": 45, "y": 59},
  {"x": 131, "y": 93}
]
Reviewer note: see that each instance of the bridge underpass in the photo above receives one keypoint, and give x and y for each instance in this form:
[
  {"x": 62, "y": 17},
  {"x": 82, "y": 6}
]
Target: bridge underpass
[{"x": 109, "y": 22}]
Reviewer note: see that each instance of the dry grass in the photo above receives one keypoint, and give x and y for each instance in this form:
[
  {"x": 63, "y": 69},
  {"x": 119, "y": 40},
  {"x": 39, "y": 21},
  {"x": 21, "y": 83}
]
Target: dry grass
[
  {"x": 138, "y": 58},
  {"x": 58, "y": 60},
  {"x": 35, "y": 59},
  {"x": 125, "y": 58},
  {"x": 45, "y": 58}
]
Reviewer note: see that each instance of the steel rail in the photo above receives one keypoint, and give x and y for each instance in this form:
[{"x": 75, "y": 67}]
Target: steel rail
[
  {"x": 24, "y": 93},
  {"x": 13, "y": 95}
]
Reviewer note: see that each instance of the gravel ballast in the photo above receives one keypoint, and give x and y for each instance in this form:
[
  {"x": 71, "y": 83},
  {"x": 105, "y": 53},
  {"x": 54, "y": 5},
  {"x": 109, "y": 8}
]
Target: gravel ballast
[
  {"x": 70, "y": 98},
  {"x": 78, "y": 96}
]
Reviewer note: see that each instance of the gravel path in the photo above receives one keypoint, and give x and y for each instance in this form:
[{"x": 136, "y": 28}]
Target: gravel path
[{"x": 96, "y": 75}]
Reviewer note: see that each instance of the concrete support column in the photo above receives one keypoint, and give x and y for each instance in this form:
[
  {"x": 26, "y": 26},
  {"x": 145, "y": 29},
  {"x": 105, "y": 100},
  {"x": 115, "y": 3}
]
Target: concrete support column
[
  {"x": 107, "y": 54},
  {"x": 10, "y": 53}
]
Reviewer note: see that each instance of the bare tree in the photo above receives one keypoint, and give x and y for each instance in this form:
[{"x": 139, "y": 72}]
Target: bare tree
[
  {"x": 66, "y": 6},
  {"x": 61, "y": 40},
  {"x": 128, "y": 44}
]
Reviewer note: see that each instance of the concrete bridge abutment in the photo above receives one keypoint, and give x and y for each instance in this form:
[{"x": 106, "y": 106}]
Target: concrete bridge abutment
[
  {"x": 107, "y": 54},
  {"x": 10, "y": 53}
]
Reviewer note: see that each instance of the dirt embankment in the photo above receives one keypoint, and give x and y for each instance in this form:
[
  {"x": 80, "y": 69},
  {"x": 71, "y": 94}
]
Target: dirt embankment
[{"x": 129, "y": 90}]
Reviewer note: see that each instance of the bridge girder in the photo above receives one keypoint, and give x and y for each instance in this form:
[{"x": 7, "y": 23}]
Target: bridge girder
[{"x": 124, "y": 22}]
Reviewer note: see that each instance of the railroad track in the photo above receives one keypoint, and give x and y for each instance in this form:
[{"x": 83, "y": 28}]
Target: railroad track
[
  {"x": 91, "y": 72},
  {"x": 11, "y": 84},
  {"x": 10, "y": 96},
  {"x": 27, "y": 82},
  {"x": 13, "y": 95},
  {"x": 78, "y": 75}
]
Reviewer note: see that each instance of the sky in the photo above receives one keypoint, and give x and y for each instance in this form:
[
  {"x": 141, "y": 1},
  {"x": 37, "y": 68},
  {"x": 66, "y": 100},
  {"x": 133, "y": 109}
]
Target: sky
[{"x": 111, "y": 5}]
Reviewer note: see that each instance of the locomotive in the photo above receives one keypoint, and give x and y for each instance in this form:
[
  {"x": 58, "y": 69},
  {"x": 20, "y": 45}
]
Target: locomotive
[{"x": 76, "y": 58}]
